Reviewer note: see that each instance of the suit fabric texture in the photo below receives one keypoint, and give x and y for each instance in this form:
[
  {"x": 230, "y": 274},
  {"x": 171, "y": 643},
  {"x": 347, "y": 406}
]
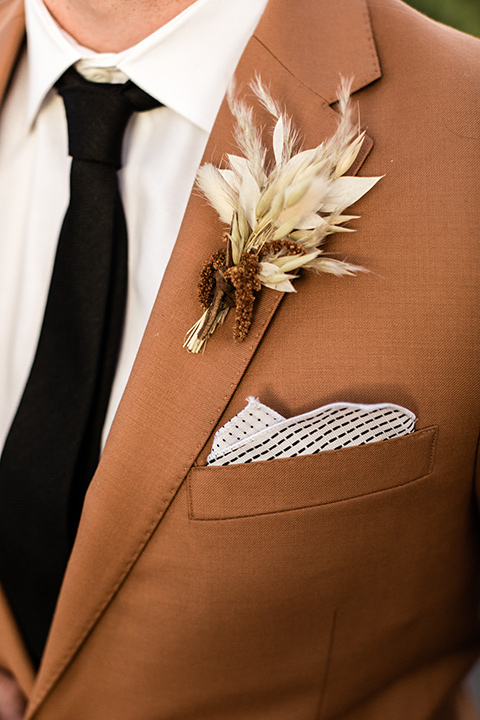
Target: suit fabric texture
[{"x": 341, "y": 585}]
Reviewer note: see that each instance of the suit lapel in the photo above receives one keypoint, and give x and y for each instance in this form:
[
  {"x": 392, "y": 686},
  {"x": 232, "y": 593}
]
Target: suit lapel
[{"x": 173, "y": 399}]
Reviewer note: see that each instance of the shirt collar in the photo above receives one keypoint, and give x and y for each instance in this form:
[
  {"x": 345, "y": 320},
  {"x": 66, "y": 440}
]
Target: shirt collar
[{"x": 186, "y": 64}]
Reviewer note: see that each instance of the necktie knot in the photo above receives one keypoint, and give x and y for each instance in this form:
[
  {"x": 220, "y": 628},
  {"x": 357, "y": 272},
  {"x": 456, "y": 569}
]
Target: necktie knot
[{"x": 97, "y": 115}]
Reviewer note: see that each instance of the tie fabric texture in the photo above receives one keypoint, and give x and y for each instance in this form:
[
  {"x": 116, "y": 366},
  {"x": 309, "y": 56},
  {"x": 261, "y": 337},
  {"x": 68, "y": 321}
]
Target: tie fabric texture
[{"x": 53, "y": 446}]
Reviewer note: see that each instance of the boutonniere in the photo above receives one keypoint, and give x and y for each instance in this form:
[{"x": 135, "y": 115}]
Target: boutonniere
[{"x": 278, "y": 215}]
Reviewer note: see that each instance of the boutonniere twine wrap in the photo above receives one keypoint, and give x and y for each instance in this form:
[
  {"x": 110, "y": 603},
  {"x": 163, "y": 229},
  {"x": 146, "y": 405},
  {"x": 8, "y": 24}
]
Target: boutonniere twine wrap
[{"x": 278, "y": 216}]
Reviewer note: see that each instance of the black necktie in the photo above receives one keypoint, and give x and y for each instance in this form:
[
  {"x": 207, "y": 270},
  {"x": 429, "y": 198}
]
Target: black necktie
[{"x": 53, "y": 446}]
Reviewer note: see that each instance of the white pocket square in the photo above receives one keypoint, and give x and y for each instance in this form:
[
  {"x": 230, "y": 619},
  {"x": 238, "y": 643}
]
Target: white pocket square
[{"x": 260, "y": 433}]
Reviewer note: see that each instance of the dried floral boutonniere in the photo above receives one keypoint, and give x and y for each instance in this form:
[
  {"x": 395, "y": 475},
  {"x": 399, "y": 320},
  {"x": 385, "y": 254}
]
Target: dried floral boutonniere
[{"x": 278, "y": 216}]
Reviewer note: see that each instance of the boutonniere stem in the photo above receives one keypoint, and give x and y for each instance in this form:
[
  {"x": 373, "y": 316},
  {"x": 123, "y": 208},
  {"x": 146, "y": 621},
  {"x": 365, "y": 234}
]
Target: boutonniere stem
[{"x": 278, "y": 214}]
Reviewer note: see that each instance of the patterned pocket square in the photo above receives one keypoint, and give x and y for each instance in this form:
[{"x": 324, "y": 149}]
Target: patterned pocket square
[{"x": 260, "y": 433}]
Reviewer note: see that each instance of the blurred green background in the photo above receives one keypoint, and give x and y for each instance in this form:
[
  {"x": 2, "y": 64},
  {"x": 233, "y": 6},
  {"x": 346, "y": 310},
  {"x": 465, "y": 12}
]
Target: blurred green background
[{"x": 462, "y": 14}]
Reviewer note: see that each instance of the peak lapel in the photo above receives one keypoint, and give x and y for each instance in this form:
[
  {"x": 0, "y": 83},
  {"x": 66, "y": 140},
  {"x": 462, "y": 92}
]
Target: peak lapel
[{"x": 173, "y": 399}]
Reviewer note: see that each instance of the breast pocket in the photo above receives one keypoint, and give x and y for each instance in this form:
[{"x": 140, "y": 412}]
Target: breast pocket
[{"x": 273, "y": 486}]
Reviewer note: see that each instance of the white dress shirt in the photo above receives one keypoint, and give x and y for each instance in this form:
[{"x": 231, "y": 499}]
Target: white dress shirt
[{"x": 187, "y": 65}]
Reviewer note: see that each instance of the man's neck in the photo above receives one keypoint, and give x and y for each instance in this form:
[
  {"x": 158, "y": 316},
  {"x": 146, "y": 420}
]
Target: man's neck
[{"x": 113, "y": 25}]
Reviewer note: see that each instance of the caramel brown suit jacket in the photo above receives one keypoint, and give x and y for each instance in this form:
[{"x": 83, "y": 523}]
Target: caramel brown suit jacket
[{"x": 340, "y": 585}]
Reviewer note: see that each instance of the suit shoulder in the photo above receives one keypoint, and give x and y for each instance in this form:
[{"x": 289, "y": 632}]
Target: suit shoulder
[{"x": 432, "y": 49}]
